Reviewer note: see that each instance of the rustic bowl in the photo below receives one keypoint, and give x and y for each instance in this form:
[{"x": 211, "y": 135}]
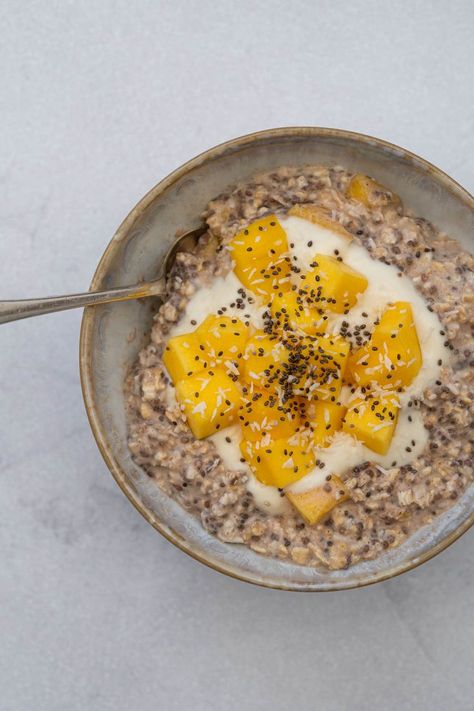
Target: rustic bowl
[{"x": 112, "y": 335}]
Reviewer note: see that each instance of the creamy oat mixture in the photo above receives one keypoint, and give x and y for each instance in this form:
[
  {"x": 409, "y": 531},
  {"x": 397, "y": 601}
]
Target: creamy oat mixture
[{"x": 430, "y": 460}]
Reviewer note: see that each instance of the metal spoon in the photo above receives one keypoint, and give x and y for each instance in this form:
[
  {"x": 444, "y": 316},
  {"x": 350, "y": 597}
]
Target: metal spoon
[{"x": 24, "y": 308}]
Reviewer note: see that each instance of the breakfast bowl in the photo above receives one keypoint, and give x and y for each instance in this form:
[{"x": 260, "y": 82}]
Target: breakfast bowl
[{"x": 112, "y": 335}]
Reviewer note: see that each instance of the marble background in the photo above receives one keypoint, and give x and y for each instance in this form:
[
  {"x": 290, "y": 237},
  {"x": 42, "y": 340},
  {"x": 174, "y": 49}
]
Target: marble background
[{"x": 98, "y": 101}]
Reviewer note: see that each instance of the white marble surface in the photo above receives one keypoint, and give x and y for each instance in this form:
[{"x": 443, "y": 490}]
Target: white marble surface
[{"x": 99, "y": 100}]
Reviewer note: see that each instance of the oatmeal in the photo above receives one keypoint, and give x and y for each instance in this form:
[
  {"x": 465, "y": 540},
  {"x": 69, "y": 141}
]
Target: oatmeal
[{"x": 308, "y": 389}]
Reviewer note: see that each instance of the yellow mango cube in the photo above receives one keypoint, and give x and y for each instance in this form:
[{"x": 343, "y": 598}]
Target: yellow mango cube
[
  {"x": 264, "y": 277},
  {"x": 315, "y": 504},
  {"x": 319, "y": 215},
  {"x": 210, "y": 401},
  {"x": 370, "y": 193},
  {"x": 280, "y": 463},
  {"x": 262, "y": 413},
  {"x": 183, "y": 356},
  {"x": 263, "y": 360},
  {"x": 333, "y": 284},
  {"x": 298, "y": 312},
  {"x": 250, "y": 452},
  {"x": 331, "y": 356},
  {"x": 393, "y": 354},
  {"x": 372, "y": 420},
  {"x": 323, "y": 364},
  {"x": 264, "y": 239},
  {"x": 325, "y": 419},
  {"x": 223, "y": 337}
]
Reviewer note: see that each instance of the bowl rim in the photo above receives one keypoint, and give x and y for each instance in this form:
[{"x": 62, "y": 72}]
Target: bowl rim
[{"x": 85, "y": 353}]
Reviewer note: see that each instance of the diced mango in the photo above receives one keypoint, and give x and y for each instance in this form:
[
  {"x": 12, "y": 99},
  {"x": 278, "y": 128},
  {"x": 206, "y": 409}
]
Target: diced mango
[
  {"x": 209, "y": 399},
  {"x": 280, "y": 463},
  {"x": 325, "y": 419},
  {"x": 250, "y": 452},
  {"x": 263, "y": 357},
  {"x": 333, "y": 284},
  {"x": 372, "y": 420},
  {"x": 298, "y": 312},
  {"x": 183, "y": 356},
  {"x": 319, "y": 215},
  {"x": 264, "y": 240},
  {"x": 393, "y": 354},
  {"x": 223, "y": 337},
  {"x": 259, "y": 253},
  {"x": 262, "y": 413},
  {"x": 333, "y": 354},
  {"x": 370, "y": 193},
  {"x": 322, "y": 367},
  {"x": 316, "y": 503},
  {"x": 264, "y": 277}
]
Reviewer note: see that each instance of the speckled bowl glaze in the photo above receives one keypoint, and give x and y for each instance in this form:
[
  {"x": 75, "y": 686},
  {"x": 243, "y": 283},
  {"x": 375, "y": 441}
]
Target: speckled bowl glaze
[{"x": 112, "y": 335}]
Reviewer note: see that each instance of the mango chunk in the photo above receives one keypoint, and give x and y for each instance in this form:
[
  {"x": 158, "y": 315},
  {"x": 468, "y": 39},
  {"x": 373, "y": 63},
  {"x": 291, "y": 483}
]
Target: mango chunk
[
  {"x": 263, "y": 358},
  {"x": 223, "y": 337},
  {"x": 393, "y": 354},
  {"x": 316, "y": 503},
  {"x": 280, "y": 463},
  {"x": 372, "y": 420},
  {"x": 264, "y": 240},
  {"x": 264, "y": 277},
  {"x": 370, "y": 193},
  {"x": 297, "y": 312},
  {"x": 333, "y": 284},
  {"x": 320, "y": 367},
  {"x": 209, "y": 399},
  {"x": 183, "y": 356},
  {"x": 319, "y": 215},
  {"x": 325, "y": 419},
  {"x": 333, "y": 352},
  {"x": 262, "y": 413},
  {"x": 249, "y": 451}
]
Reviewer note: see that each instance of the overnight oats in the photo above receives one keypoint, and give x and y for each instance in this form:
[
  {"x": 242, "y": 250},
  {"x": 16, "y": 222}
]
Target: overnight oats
[{"x": 308, "y": 385}]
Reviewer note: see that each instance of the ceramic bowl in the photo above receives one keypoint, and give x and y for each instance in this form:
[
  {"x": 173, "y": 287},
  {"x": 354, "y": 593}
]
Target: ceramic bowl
[{"x": 112, "y": 334}]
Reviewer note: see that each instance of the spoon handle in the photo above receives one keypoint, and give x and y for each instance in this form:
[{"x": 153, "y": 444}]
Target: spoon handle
[{"x": 24, "y": 308}]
